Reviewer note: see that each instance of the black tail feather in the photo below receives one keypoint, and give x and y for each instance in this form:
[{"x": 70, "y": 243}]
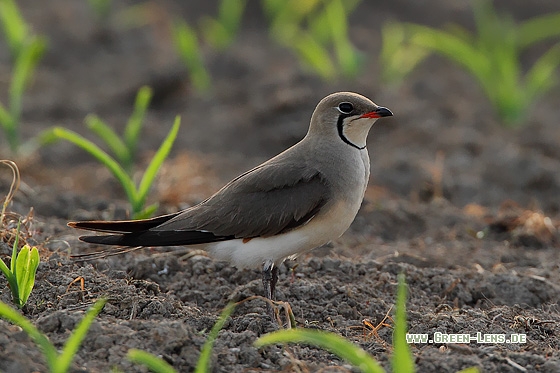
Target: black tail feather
[
  {"x": 121, "y": 226},
  {"x": 156, "y": 238}
]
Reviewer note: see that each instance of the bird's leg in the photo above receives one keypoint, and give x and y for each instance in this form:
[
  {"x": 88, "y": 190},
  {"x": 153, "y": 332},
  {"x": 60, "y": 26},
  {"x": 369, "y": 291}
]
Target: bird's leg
[{"x": 270, "y": 278}]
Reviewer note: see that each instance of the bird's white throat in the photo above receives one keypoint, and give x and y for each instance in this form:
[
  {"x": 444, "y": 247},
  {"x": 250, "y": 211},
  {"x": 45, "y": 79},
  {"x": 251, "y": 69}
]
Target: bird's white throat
[{"x": 356, "y": 130}]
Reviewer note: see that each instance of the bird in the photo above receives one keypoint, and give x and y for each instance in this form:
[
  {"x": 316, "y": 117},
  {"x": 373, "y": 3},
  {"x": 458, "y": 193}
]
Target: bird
[{"x": 301, "y": 199}]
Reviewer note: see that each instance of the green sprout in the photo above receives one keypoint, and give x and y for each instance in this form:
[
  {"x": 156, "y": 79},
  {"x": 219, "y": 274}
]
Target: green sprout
[
  {"x": 124, "y": 149},
  {"x": 158, "y": 365},
  {"x": 491, "y": 56},
  {"x": 154, "y": 363},
  {"x": 26, "y": 50},
  {"x": 398, "y": 56},
  {"x": 402, "y": 360},
  {"x": 334, "y": 343},
  {"x": 22, "y": 270},
  {"x": 221, "y": 31},
  {"x": 102, "y": 8},
  {"x": 329, "y": 341},
  {"x": 136, "y": 195},
  {"x": 218, "y": 32},
  {"x": 314, "y": 30},
  {"x": 56, "y": 362},
  {"x": 23, "y": 265},
  {"x": 188, "y": 47}
]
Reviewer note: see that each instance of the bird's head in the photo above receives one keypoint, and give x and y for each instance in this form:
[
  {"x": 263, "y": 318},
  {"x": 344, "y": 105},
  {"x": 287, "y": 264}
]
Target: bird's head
[{"x": 348, "y": 116}]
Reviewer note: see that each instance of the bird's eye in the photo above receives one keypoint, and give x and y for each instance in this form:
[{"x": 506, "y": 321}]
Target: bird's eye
[{"x": 345, "y": 107}]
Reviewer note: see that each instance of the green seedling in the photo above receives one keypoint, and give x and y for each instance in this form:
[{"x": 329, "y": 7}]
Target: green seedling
[
  {"x": 203, "y": 364},
  {"x": 314, "y": 30},
  {"x": 152, "y": 362},
  {"x": 124, "y": 149},
  {"x": 314, "y": 55},
  {"x": 402, "y": 360},
  {"x": 136, "y": 195},
  {"x": 23, "y": 265},
  {"x": 102, "y": 8},
  {"x": 398, "y": 56},
  {"x": 348, "y": 58},
  {"x": 158, "y": 365},
  {"x": 56, "y": 362},
  {"x": 22, "y": 270},
  {"x": 492, "y": 56},
  {"x": 330, "y": 341},
  {"x": 220, "y": 32},
  {"x": 26, "y": 50},
  {"x": 189, "y": 50},
  {"x": 15, "y": 29}
]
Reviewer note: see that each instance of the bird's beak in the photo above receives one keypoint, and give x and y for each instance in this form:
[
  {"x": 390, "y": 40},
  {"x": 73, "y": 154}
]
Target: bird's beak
[{"x": 378, "y": 113}]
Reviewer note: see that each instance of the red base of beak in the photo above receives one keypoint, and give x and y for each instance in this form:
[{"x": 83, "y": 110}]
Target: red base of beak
[{"x": 378, "y": 113}]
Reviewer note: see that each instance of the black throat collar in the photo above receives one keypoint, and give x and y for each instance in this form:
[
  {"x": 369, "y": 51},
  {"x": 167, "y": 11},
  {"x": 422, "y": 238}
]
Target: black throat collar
[{"x": 340, "y": 127}]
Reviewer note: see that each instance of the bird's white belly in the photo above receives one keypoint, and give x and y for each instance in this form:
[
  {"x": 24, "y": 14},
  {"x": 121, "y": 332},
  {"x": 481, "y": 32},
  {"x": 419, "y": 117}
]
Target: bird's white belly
[{"x": 256, "y": 251}]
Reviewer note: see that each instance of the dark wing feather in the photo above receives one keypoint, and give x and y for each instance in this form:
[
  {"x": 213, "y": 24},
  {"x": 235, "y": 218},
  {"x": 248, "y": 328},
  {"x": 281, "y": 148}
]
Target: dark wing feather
[
  {"x": 155, "y": 238},
  {"x": 270, "y": 199}
]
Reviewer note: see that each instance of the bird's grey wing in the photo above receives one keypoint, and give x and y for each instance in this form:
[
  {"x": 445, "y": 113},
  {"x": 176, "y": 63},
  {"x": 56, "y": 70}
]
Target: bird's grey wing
[{"x": 270, "y": 199}]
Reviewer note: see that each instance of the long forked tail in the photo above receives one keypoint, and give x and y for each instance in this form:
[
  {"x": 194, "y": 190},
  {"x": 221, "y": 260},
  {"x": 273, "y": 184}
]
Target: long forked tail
[
  {"x": 133, "y": 233},
  {"x": 121, "y": 226}
]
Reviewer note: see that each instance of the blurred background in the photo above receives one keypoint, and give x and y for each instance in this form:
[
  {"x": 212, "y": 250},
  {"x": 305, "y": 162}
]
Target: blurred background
[
  {"x": 463, "y": 196},
  {"x": 472, "y": 85}
]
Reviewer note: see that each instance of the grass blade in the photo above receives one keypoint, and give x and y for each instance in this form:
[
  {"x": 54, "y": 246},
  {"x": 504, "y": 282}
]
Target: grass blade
[
  {"x": 221, "y": 32},
  {"x": 328, "y": 341},
  {"x": 109, "y": 137},
  {"x": 15, "y": 28},
  {"x": 102, "y": 8},
  {"x": 347, "y": 57},
  {"x": 134, "y": 124},
  {"x": 152, "y": 362},
  {"x": 203, "y": 364},
  {"x": 453, "y": 47},
  {"x": 25, "y": 64},
  {"x": 469, "y": 370},
  {"x": 75, "y": 340},
  {"x": 314, "y": 55},
  {"x": 187, "y": 45},
  {"x": 542, "y": 75},
  {"x": 155, "y": 164},
  {"x": 147, "y": 211},
  {"x": 48, "y": 349},
  {"x": 102, "y": 157},
  {"x": 398, "y": 57},
  {"x": 230, "y": 13},
  {"x": 14, "y": 250},
  {"x": 5, "y": 117},
  {"x": 402, "y": 357},
  {"x": 12, "y": 282},
  {"x": 538, "y": 29}
]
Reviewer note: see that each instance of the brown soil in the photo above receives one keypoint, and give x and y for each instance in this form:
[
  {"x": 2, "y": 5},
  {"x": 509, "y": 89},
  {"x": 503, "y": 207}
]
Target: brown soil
[{"x": 466, "y": 209}]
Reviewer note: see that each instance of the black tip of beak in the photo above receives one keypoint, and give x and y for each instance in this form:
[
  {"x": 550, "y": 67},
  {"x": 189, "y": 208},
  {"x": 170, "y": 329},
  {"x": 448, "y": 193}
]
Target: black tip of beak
[{"x": 383, "y": 112}]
